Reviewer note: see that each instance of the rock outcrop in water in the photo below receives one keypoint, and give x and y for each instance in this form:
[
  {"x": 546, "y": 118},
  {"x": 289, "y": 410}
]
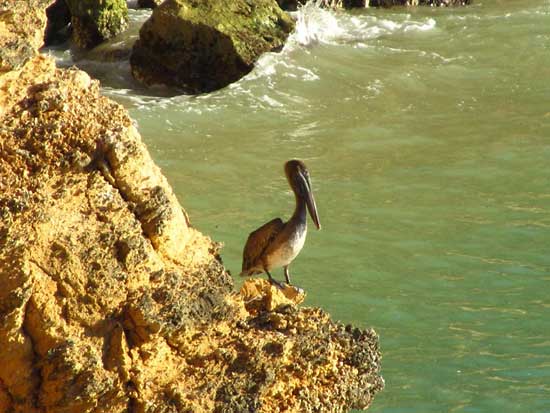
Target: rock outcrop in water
[
  {"x": 203, "y": 46},
  {"x": 112, "y": 302},
  {"x": 94, "y": 21}
]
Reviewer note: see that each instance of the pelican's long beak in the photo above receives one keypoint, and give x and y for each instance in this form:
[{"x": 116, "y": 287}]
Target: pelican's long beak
[{"x": 310, "y": 202}]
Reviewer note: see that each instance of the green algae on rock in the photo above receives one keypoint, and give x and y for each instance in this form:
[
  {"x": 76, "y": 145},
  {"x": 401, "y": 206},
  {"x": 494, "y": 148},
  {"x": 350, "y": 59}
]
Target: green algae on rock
[
  {"x": 95, "y": 21},
  {"x": 203, "y": 46}
]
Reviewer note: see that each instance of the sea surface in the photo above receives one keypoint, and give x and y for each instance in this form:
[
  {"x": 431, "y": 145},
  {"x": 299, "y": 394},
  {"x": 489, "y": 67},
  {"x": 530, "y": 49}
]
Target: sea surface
[{"x": 427, "y": 136}]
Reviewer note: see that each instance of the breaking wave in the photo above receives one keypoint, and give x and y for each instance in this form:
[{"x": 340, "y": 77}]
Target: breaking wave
[{"x": 317, "y": 25}]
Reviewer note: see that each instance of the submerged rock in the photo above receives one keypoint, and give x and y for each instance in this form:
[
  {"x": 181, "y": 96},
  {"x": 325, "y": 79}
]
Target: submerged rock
[
  {"x": 112, "y": 302},
  {"x": 203, "y": 46},
  {"x": 94, "y": 21}
]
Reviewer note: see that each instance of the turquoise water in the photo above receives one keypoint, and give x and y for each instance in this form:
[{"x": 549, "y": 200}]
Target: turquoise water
[{"x": 427, "y": 135}]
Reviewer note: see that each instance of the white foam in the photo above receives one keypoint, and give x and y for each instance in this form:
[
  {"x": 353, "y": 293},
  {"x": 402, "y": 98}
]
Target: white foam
[
  {"x": 314, "y": 25},
  {"x": 271, "y": 102},
  {"x": 422, "y": 27}
]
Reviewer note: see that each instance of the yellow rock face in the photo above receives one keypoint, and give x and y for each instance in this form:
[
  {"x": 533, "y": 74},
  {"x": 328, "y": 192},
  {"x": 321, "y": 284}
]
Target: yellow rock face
[
  {"x": 22, "y": 25},
  {"x": 259, "y": 295}
]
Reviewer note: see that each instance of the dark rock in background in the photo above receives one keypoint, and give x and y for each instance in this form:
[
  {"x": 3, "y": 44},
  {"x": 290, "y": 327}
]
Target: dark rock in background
[
  {"x": 94, "y": 21},
  {"x": 149, "y": 4},
  {"x": 59, "y": 17}
]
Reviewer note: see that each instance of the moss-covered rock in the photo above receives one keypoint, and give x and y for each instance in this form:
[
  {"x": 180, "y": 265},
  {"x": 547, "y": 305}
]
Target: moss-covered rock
[
  {"x": 94, "y": 21},
  {"x": 203, "y": 46}
]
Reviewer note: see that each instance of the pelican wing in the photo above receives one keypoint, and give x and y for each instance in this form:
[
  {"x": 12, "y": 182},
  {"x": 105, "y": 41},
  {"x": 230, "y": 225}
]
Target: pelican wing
[{"x": 257, "y": 243}]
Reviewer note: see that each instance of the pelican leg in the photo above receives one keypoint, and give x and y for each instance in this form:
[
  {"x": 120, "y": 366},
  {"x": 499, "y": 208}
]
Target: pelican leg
[
  {"x": 287, "y": 274},
  {"x": 273, "y": 280}
]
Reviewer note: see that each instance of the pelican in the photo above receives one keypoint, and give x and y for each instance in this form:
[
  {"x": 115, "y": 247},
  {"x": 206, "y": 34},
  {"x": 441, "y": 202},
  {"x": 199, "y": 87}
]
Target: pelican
[{"x": 276, "y": 243}]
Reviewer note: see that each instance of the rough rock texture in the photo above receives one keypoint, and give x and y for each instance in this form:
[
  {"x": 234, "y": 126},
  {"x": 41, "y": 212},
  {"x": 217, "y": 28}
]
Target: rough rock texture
[
  {"x": 91, "y": 237},
  {"x": 111, "y": 302},
  {"x": 203, "y": 46},
  {"x": 259, "y": 295},
  {"x": 94, "y": 21},
  {"x": 21, "y": 31}
]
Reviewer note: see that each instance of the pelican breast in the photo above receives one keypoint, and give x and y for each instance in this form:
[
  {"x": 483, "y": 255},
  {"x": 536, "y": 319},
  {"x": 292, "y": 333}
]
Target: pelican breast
[{"x": 286, "y": 246}]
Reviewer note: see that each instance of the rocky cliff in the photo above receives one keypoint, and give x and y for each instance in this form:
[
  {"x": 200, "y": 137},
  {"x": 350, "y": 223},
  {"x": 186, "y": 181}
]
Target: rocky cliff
[{"x": 110, "y": 301}]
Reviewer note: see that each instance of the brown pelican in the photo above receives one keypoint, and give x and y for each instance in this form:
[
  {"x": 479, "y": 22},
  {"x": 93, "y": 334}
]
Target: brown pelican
[{"x": 277, "y": 243}]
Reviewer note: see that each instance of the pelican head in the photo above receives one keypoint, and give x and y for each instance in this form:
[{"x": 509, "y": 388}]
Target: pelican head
[{"x": 298, "y": 178}]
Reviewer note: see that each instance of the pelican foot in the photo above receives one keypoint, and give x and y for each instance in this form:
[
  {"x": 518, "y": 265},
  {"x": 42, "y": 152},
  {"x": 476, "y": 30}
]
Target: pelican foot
[
  {"x": 298, "y": 289},
  {"x": 285, "y": 286},
  {"x": 280, "y": 285}
]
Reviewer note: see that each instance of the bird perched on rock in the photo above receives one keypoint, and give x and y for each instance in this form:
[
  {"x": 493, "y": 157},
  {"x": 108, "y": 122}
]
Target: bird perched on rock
[{"x": 276, "y": 243}]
